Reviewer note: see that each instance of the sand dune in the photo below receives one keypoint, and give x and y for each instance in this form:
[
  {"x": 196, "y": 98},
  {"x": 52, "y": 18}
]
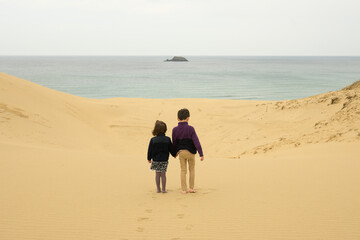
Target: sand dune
[{"x": 75, "y": 168}]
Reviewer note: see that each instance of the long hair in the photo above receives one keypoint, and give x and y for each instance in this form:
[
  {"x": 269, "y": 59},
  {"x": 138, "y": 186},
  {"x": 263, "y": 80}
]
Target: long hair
[{"x": 160, "y": 127}]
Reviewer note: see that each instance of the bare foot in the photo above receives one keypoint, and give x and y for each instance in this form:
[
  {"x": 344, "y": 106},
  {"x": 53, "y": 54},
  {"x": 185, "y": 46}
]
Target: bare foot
[
  {"x": 192, "y": 191},
  {"x": 184, "y": 192},
  {"x": 164, "y": 191}
]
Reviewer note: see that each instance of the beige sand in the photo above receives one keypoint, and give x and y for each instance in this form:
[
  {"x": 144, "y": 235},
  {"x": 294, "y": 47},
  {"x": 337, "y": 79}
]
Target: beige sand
[{"x": 75, "y": 168}]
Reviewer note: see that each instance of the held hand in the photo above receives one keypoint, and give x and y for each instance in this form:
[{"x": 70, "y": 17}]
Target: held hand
[
  {"x": 149, "y": 161},
  {"x": 202, "y": 158}
]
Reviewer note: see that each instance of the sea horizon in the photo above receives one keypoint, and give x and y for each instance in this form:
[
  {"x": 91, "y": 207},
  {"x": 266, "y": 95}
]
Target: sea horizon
[
  {"x": 162, "y": 55},
  {"x": 204, "y": 76}
]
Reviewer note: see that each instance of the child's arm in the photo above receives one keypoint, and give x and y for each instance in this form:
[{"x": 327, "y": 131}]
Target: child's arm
[
  {"x": 173, "y": 137},
  {"x": 171, "y": 148},
  {"x": 150, "y": 153},
  {"x": 197, "y": 144}
]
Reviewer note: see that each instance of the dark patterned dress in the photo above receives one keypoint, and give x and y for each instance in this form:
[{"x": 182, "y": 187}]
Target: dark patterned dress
[{"x": 159, "y": 166}]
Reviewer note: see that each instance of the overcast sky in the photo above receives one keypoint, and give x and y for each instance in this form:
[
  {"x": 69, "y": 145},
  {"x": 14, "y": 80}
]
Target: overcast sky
[{"x": 180, "y": 27}]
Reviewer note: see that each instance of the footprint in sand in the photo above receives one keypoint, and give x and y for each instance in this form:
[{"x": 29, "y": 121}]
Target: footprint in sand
[
  {"x": 148, "y": 210},
  {"x": 140, "y": 229},
  {"x": 140, "y": 219},
  {"x": 189, "y": 227},
  {"x": 180, "y": 216}
]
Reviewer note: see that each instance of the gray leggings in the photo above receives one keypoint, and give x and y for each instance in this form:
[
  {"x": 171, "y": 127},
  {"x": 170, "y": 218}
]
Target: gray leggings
[{"x": 161, "y": 175}]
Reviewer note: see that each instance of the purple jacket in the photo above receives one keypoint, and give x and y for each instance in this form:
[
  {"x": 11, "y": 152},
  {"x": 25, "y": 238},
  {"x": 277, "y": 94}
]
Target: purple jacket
[{"x": 184, "y": 137}]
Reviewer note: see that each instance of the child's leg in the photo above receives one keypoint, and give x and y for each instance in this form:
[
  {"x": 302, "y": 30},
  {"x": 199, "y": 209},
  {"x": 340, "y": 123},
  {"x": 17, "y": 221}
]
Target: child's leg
[
  {"x": 183, "y": 164},
  {"x": 163, "y": 181},
  {"x": 192, "y": 172},
  {"x": 157, "y": 180}
]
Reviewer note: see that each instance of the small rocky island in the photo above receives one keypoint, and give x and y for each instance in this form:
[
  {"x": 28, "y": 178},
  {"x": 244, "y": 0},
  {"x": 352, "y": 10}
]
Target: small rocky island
[{"x": 176, "y": 59}]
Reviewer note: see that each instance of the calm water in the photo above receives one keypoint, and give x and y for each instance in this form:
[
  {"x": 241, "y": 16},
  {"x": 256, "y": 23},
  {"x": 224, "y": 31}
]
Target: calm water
[{"x": 259, "y": 78}]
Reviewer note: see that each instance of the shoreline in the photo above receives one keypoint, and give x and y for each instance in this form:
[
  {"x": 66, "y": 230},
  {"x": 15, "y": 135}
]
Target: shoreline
[
  {"x": 210, "y": 78},
  {"x": 186, "y": 98}
]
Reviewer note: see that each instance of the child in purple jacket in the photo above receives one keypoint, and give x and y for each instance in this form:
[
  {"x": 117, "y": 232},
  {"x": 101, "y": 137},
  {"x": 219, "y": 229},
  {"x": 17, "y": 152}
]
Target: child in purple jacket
[{"x": 186, "y": 144}]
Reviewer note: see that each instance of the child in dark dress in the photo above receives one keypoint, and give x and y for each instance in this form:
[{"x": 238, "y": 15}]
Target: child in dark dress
[{"x": 159, "y": 148}]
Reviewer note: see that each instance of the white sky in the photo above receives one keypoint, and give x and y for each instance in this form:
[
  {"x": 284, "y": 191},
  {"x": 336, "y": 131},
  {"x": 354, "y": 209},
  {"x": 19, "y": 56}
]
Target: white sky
[{"x": 180, "y": 27}]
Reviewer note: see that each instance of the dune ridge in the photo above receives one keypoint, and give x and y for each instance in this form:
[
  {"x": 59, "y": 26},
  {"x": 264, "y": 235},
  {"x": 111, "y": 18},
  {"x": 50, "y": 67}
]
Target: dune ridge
[
  {"x": 26, "y": 106},
  {"x": 75, "y": 168}
]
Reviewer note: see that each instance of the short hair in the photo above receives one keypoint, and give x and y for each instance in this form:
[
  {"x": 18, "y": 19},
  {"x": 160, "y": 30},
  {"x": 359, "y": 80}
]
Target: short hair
[
  {"x": 183, "y": 114},
  {"x": 160, "y": 127}
]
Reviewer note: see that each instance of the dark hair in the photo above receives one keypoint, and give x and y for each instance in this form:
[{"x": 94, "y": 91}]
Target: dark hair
[
  {"x": 160, "y": 127},
  {"x": 183, "y": 114}
]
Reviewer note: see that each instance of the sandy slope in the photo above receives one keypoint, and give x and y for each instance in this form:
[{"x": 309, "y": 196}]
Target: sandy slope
[{"x": 75, "y": 168}]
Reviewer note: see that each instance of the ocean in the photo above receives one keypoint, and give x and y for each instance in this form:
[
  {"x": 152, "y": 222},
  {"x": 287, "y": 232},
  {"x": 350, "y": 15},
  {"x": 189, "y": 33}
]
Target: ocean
[{"x": 213, "y": 77}]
